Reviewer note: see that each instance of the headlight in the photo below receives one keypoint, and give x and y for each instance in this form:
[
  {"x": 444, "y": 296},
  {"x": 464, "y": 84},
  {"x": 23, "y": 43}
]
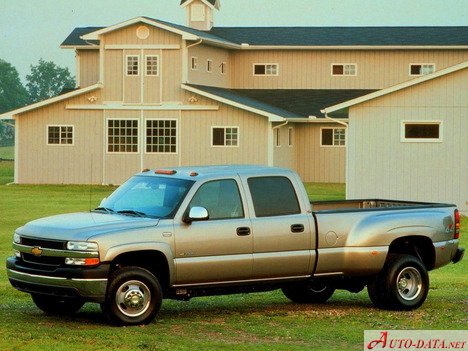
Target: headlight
[
  {"x": 81, "y": 261},
  {"x": 16, "y": 238},
  {"x": 82, "y": 246}
]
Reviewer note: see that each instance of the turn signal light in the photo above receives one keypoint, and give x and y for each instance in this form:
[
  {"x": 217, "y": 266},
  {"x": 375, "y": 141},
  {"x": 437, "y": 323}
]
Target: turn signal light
[
  {"x": 457, "y": 224},
  {"x": 82, "y": 261}
]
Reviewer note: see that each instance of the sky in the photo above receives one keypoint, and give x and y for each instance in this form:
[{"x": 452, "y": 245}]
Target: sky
[{"x": 34, "y": 29}]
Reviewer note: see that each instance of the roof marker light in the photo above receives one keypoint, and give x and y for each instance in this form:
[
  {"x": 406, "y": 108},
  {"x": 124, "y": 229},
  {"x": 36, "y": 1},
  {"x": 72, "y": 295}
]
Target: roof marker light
[
  {"x": 165, "y": 171},
  {"x": 193, "y": 174},
  {"x": 145, "y": 170}
]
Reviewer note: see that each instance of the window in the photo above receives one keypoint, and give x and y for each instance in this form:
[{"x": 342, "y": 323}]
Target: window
[
  {"x": 194, "y": 63},
  {"x": 60, "y": 135},
  {"x": 277, "y": 137},
  {"x": 333, "y": 137},
  {"x": 273, "y": 196},
  {"x": 266, "y": 69},
  {"x": 209, "y": 66},
  {"x": 133, "y": 63},
  {"x": 161, "y": 135},
  {"x": 197, "y": 12},
  {"x": 420, "y": 69},
  {"x": 152, "y": 65},
  {"x": 221, "y": 198},
  {"x": 122, "y": 135},
  {"x": 225, "y": 136},
  {"x": 290, "y": 136},
  {"x": 344, "y": 69},
  {"x": 421, "y": 131},
  {"x": 223, "y": 67}
]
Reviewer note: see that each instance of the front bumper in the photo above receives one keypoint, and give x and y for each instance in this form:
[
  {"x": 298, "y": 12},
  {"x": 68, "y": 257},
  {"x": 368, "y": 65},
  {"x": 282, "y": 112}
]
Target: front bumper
[
  {"x": 458, "y": 255},
  {"x": 87, "y": 283}
]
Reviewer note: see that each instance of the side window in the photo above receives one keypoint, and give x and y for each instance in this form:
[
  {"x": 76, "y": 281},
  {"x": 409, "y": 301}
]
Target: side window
[
  {"x": 273, "y": 196},
  {"x": 221, "y": 198}
]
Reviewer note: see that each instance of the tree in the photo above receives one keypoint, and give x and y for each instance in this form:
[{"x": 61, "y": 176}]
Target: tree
[
  {"x": 12, "y": 95},
  {"x": 47, "y": 80}
]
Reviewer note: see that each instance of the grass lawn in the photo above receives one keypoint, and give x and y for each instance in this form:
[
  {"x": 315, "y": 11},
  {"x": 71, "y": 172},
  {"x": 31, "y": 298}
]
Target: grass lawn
[
  {"x": 263, "y": 321},
  {"x": 7, "y": 152}
]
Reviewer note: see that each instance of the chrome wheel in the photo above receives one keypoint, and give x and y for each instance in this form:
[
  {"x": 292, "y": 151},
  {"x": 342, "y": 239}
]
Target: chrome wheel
[
  {"x": 133, "y": 298},
  {"x": 409, "y": 283}
]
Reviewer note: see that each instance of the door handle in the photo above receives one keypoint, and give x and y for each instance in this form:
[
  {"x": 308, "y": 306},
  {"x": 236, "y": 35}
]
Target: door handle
[
  {"x": 297, "y": 228},
  {"x": 243, "y": 231}
]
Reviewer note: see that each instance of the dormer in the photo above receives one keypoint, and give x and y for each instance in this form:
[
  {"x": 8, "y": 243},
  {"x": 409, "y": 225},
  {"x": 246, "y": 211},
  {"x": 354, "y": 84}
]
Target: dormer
[{"x": 200, "y": 13}]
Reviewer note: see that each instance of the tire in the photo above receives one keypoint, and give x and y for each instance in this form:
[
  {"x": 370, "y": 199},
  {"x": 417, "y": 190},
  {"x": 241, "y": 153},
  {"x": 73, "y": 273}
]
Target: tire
[
  {"x": 57, "y": 305},
  {"x": 309, "y": 292},
  {"x": 402, "y": 285},
  {"x": 134, "y": 297}
]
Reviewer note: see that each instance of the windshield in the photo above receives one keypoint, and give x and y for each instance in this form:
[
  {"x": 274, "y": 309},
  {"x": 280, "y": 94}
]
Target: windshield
[{"x": 157, "y": 197}]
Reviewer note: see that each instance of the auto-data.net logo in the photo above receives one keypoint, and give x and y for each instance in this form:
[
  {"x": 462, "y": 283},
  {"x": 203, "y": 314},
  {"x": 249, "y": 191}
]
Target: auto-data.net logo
[{"x": 416, "y": 340}]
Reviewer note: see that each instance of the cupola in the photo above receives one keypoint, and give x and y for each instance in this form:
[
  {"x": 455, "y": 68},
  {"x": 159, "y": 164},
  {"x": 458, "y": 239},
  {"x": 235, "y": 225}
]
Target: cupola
[{"x": 200, "y": 13}]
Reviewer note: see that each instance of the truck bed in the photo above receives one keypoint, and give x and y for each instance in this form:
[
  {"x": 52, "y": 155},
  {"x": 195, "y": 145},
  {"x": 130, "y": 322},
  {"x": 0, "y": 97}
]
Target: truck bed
[{"x": 370, "y": 204}]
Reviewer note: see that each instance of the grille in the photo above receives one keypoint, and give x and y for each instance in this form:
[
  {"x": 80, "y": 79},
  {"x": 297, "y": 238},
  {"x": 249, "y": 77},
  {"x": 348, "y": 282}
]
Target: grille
[
  {"x": 47, "y": 244},
  {"x": 45, "y": 260}
]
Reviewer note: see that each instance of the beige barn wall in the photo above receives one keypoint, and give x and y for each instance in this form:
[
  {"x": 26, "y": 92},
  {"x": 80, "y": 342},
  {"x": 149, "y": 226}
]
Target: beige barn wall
[
  {"x": 201, "y": 76},
  {"x": 81, "y": 163},
  {"x": 380, "y": 165},
  {"x": 376, "y": 69},
  {"x": 89, "y": 67},
  {"x": 127, "y": 36},
  {"x": 315, "y": 163},
  {"x": 284, "y": 155}
]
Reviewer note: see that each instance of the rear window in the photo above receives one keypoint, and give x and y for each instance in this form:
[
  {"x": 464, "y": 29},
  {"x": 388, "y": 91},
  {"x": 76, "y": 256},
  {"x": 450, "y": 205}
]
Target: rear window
[{"x": 273, "y": 196}]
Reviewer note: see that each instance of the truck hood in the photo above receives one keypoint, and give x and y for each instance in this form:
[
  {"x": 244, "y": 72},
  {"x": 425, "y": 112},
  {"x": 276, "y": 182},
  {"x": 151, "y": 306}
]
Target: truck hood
[{"x": 81, "y": 226}]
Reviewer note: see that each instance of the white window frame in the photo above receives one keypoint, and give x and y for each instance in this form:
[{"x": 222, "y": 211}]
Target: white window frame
[
  {"x": 277, "y": 137},
  {"x": 223, "y": 66},
  {"x": 146, "y": 66},
  {"x": 60, "y": 132},
  {"x": 403, "y": 139},
  {"x": 194, "y": 63},
  {"x": 138, "y": 136},
  {"x": 344, "y": 70},
  {"x": 225, "y": 128},
  {"x": 333, "y": 136},
  {"x": 146, "y": 136},
  {"x": 126, "y": 65},
  {"x": 422, "y": 65},
  {"x": 290, "y": 136},
  {"x": 209, "y": 66},
  {"x": 266, "y": 74}
]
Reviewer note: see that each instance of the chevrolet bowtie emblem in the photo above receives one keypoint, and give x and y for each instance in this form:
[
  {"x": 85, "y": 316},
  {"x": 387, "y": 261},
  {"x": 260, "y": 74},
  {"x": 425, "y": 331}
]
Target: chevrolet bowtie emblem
[{"x": 36, "y": 251}]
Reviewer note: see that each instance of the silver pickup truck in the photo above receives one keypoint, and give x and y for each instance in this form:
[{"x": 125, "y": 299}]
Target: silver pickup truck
[{"x": 193, "y": 231}]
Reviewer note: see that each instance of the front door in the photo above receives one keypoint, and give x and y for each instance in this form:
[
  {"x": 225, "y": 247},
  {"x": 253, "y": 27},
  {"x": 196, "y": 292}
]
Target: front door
[{"x": 220, "y": 248}]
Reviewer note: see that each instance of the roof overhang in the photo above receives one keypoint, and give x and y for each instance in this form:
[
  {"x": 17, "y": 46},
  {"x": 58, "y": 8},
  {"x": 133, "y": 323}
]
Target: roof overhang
[
  {"x": 95, "y": 35},
  {"x": 10, "y": 114},
  {"x": 80, "y": 47},
  {"x": 392, "y": 89},
  {"x": 271, "y": 117},
  {"x": 246, "y": 46},
  {"x": 216, "y": 6}
]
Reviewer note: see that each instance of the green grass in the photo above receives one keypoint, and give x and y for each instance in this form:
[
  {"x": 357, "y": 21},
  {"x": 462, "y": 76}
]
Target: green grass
[
  {"x": 7, "y": 152},
  {"x": 263, "y": 321}
]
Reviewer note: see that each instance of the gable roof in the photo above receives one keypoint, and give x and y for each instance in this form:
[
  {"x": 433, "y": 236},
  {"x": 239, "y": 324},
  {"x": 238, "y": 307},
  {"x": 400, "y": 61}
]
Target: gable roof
[
  {"x": 74, "y": 38},
  {"x": 212, "y": 3},
  {"x": 76, "y": 92},
  {"x": 282, "y": 103},
  {"x": 345, "y": 105}
]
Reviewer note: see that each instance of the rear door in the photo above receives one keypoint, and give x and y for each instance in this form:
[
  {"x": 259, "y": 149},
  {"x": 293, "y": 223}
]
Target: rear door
[{"x": 281, "y": 229}]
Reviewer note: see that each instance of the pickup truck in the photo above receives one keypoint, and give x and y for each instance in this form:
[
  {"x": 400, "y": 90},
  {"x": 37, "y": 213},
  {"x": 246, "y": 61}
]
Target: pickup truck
[{"x": 184, "y": 232}]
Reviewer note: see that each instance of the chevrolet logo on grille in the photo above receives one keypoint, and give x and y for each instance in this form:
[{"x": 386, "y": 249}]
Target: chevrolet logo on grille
[{"x": 36, "y": 251}]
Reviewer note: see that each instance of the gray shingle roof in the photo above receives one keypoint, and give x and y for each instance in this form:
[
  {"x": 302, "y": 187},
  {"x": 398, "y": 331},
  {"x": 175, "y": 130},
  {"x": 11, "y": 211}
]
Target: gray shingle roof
[
  {"x": 74, "y": 39},
  {"x": 289, "y": 103}
]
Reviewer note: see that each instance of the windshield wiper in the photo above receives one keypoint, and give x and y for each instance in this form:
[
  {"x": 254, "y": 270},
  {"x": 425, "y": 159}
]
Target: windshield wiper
[
  {"x": 103, "y": 209},
  {"x": 132, "y": 212}
]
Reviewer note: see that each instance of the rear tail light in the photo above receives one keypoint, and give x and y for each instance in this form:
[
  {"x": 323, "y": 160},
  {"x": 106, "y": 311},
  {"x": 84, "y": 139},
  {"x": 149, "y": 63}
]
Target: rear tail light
[{"x": 457, "y": 224}]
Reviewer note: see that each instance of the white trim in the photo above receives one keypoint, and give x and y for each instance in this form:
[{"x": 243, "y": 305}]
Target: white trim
[
  {"x": 142, "y": 46},
  {"x": 179, "y": 133},
  {"x": 271, "y": 117},
  {"x": 290, "y": 137},
  {"x": 194, "y": 63},
  {"x": 344, "y": 74},
  {"x": 184, "y": 62},
  {"x": 78, "y": 69},
  {"x": 142, "y": 78},
  {"x": 146, "y": 136},
  {"x": 162, "y": 107},
  {"x": 60, "y": 134},
  {"x": 102, "y": 54},
  {"x": 141, "y": 140},
  {"x": 270, "y": 145},
  {"x": 80, "y": 47},
  {"x": 9, "y": 115},
  {"x": 95, "y": 35},
  {"x": 104, "y": 147},
  {"x": 106, "y": 127},
  {"x": 278, "y": 137},
  {"x": 420, "y": 64},
  {"x": 17, "y": 143},
  {"x": 126, "y": 65},
  {"x": 333, "y": 137},
  {"x": 394, "y": 88},
  {"x": 160, "y": 73},
  {"x": 266, "y": 74},
  {"x": 225, "y": 146},
  {"x": 209, "y": 66},
  {"x": 403, "y": 139}
]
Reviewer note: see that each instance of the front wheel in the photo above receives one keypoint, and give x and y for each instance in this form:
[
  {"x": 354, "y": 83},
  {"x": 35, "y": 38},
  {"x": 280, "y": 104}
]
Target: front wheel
[
  {"x": 57, "y": 305},
  {"x": 309, "y": 292},
  {"x": 403, "y": 284},
  {"x": 134, "y": 297}
]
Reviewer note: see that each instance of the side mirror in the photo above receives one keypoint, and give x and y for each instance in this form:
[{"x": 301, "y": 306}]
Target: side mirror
[{"x": 196, "y": 214}]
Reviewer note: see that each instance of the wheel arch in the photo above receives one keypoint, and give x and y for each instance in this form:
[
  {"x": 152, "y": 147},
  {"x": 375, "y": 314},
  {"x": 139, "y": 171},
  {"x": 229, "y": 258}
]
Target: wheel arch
[{"x": 418, "y": 246}]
